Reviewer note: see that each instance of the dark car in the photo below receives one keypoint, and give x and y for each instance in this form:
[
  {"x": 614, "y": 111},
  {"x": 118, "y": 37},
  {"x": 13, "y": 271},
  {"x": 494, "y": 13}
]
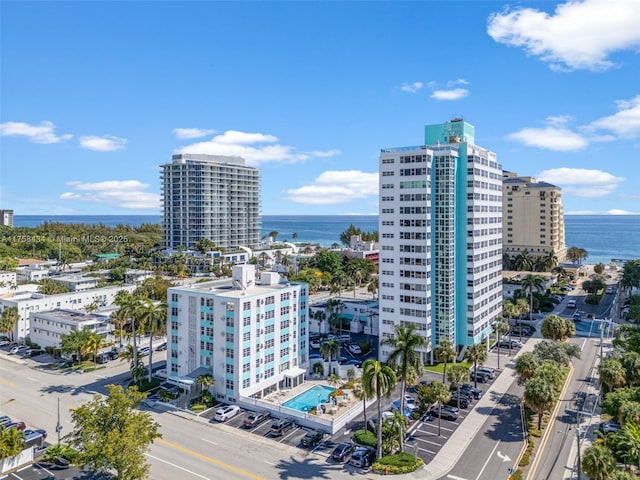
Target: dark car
[
  {"x": 355, "y": 363},
  {"x": 103, "y": 358},
  {"x": 479, "y": 377},
  {"x": 471, "y": 391},
  {"x": 37, "y": 351},
  {"x": 161, "y": 347},
  {"x": 281, "y": 425},
  {"x": 113, "y": 355},
  {"x": 342, "y": 360},
  {"x": 16, "y": 425},
  {"x": 363, "y": 457},
  {"x": 464, "y": 401},
  {"x": 342, "y": 451},
  {"x": 255, "y": 419},
  {"x": 446, "y": 412},
  {"x": 311, "y": 439}
]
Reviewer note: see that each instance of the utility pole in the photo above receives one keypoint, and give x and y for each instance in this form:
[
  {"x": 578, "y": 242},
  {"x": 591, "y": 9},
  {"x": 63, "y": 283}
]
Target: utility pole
[{"x": 58, "y": 426}]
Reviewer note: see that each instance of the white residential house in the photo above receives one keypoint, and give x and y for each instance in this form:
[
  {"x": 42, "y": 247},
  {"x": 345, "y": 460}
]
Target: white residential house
[{"x": 47, "y": 327}]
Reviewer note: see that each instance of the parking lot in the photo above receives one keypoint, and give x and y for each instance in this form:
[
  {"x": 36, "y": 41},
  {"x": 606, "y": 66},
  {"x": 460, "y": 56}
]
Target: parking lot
[{"x": 40, "y": 471}]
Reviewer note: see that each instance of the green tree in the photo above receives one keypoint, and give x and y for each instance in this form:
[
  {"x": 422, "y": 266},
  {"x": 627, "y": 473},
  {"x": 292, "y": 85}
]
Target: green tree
[
  {"x": 500, "y": 327},
  {"x": 598, "y": 462},
  {"x": 75, "y": 342},
  {"x": 458, "y": 374},
  {"x": 11, "y": 442},
  {"x": 135, "y": 365},
  {"x": 330, "y": 350},
  {"x": 50, "y": 287},
  {"x": 444, "y": 353},
  {"x": 555, "y": 327},
  {"x": 529, "y": 284},
  {"x": 631, "y": 363},
  {"x": 111, "y": 435},
  {"x": 476, "y": 354},
  {"x": 438, "y": 393},
  {"x": 378, "y": 381},
  {"x": 405, "y": 357},
  {"x": 559, "y": 352},
  {"x": 612, "y": 373},
  {"x": 203, "y": 382},
  {"x": 361, "y": 394},
  {"x": 526, "y": 366},
  {"x": 93, "y": 344},
  {"x": 328, "y": 261},
  {"x": 153, "y": 317},
  {"x": 9, "y": 320},
  {"x": 539, "y": 395},
  {"x": 130, "y": 307}
]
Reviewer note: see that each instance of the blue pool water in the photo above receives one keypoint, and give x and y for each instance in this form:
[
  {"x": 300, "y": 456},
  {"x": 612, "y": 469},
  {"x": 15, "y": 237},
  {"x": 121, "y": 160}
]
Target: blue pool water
[{"x": 309, "y": 399}]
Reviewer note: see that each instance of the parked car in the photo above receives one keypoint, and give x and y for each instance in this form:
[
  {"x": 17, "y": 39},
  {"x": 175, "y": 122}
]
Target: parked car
[
  {"x": 609, "y": 427},
  {"x": 577, "y": 317},
  {"x": 470, "y": 391},
  {"x": 344, "y": 338},
  {"x": 25, "y": 353},
  {"x": 144, "y": 351},
  {"x": 609, "y": 290},
  {"x": 16, "y": 425},
  {"x": 103, "y": 358},
  {"x": 342, "y": 451},
  {"x": 395, "y": 406},
  {"x": 363, "y": 457},
  {"x": 5, "y": 420},
  {"x": 225, "y": 413},
  {"x": 315, "y": 344},
  {"x": 113, "y": 354},
  {"x": 479, "y": 377},
  {"x": 489, "y": 372},
  {"x": 355, "y": 363},
  {"x": 315, "y": 356},
  {"x": 280, "y": 426},
  {"x": 446, "y": 412},
  {"x": 18, "y": 349},
  {"x": 464, "y": 400},
  {"x": 571, "y": 304},
  {"x": 161, "y": 347},
  {"x": 342, "y": 360},
  {"x": 311, "y": 439},
  {"x": 410, "y": 402},
  {"x": 255, "y": 419},
  {"x": 354, "y": 349},
  {"x": 4, "y": 343}
]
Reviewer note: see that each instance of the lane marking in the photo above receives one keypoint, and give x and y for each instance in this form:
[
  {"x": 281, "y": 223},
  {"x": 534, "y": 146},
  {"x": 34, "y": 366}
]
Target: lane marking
[
  {"x": 210, "y": 460},
  {"x": 7, "y": 382},
  {"x": 177, "y": 466},
  {"x": 272, "y": 464},
  {"x": 208, "y": 441},
  {"x": 453, "y": 477},
  {"x": 32, "y": 379},
  {"x": 487, "y": 462}
]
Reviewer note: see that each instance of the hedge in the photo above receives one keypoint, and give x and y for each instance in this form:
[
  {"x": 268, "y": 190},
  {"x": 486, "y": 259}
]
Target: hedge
[
  {"x": 397, "y": 464},
  {"x": 365, "y": 437}
]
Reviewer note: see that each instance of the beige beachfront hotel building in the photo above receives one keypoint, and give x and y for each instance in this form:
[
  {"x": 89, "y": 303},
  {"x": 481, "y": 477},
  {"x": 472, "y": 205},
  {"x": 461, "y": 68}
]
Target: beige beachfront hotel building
[{"x": 533, "y": 217}]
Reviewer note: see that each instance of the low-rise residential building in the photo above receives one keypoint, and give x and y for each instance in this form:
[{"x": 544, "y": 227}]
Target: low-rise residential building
[
  {"x": 46, "y": 328},
  {"x": 32, "y": 273},
  {"x": 27, "y": 302},
  {"x": 249, "y": 333},
  {"x": 361, "y": 249},
  {"x": 7, "y": 279},
  {"x": 360, "y": 315},
  {"x": 77, "y": 282}
]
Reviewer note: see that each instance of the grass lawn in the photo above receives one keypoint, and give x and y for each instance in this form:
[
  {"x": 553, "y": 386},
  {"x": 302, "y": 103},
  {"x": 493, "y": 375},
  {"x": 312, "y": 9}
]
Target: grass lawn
[{"x": 439, "y": 367}]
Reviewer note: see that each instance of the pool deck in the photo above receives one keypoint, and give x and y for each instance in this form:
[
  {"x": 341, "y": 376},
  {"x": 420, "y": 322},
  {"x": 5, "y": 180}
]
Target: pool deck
[{"x": 282, "y": 396}]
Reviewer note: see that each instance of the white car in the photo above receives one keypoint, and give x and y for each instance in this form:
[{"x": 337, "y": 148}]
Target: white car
[
  {"x": 315, "y": 343},
  {"x": 355, "y": 349},
  {"x": 226, "y": 413},
  {"x": 18, "y": 350}
]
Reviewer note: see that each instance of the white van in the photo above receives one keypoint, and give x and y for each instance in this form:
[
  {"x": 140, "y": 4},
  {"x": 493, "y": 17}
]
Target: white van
[{"x": 571, "y": 304}]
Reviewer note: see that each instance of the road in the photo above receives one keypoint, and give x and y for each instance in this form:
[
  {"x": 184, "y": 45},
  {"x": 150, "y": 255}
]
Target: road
[{"x": 498, "y": 443}]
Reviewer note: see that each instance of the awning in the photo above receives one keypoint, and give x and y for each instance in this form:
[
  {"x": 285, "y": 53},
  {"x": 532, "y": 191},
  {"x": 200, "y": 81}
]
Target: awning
[{"x": 294, "y": 372}]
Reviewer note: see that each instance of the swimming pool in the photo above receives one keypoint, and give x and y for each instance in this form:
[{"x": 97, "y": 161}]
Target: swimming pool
[{"x": 309, "y": 399}]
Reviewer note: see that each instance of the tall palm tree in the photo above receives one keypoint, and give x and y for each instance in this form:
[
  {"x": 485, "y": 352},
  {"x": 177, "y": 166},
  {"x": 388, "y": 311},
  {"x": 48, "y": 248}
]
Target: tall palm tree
[
  {"x": 500, "y": 327},
  {"x": 8, "y": 321},
  {"x": 629, "y": 442},
  {"x": 93, "y": 344},
  {"x": 526, "y": 366},
  {"x": 153, "y": 317},
  {"x": 530, "y": 283},
  {"x": 329, "y": 350},
  {"x": 378, "y": 381},
  {"x": 476, "y": 354},
  {"x": 130, "y": 306},
  {"x": 405, "y": 357},
  {"x": 458, "y": 374},
  {"x": 438, "y": 393},
  {"x": 612, "y": 373},
  {"x": 203, "y": 382},
  {"x": 539, "y": 395},
  {"x": 361, "y": 394},
  {"x": 444, "y": 353},
  {"x": 598, "y": 462},
  {"x": 551, "y": 260}
]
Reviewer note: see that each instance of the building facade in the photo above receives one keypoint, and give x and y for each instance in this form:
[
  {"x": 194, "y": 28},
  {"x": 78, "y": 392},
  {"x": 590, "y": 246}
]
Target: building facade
[
  {"x": 211, "y": 197},
  {"x": 47, "y": 328},
  {"x": 534, "y": 220},
  {"x": 250, "y": 334},
  {"x": 440, "y": 238},
  {"x": 6, "y": 217}
]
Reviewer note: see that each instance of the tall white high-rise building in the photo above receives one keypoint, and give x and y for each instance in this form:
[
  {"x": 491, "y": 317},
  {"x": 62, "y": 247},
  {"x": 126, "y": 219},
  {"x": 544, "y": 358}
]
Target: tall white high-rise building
[
  {"x": 440, "y": 238},
  {"x": 211, "y": 197}
]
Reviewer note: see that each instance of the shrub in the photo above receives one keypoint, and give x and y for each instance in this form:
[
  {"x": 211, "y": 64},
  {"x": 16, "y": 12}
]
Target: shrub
[
  {"x": 517, "y": 475},
  {"x": 365, "y": 437},
  {"x": 397, "y": 464},
  {"x": 65, "y": 451},
  {"x": 146, "y": 385}
]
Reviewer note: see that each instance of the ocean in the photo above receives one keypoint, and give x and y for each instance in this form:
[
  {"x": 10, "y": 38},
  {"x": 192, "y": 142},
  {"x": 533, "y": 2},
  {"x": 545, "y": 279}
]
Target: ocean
[{"x": 603, "y": 236}]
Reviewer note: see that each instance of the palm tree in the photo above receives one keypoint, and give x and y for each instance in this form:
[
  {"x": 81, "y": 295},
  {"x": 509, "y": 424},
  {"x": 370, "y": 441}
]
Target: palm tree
[
  {"x": 631, "y": 363},
  {"x": 477, "y": 354},
  {"x": 539, "y": 395},
  {"x": 320, "y": 316},
  {"x": 530, "y": 283},
  {"x": 500, "y": 327},
  {"x": 444, "y": 353},
  {"x": 598, "y": 462},
  {"x": 405, "y": 357},
  {"x": 135, "y": 366},
  {"x": 438, "y": 393},
  {"x": 550, "y": 260},
  {"x": 372, "y": 286},
  {"x": 458, "y": 374},
  {"x": 526, "y": 366},
  {"x": 361, "y": 394},
  {"x": 11, "y": 442},
  {"x": 334, "y": 380},
  {"x": 153, "y": 316},
  {"x": 378, "y": 381},
  {"x": 8, "y": 321},
  {"x": 203, "y": 382},
  {"x": 130, "y": 306},
  {"x": 612, "y": 373},
  {"x": 523, "y": 261},
  {"x": 329, "y": 350},
  {"x": 629, "y": 442},
  {"x": 93, "y": 344}
]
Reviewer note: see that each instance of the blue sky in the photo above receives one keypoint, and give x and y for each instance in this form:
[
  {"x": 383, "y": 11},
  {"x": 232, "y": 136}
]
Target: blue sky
[{"x": 95, "y": 95}]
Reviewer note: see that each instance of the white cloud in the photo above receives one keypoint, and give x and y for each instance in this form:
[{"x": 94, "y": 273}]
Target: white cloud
[
  {"x": 43, "y": 133},
  {"x": 336, "y": 187},
  {"x": 453, "y": 94},
  {"x": 578, "y": 35},
  {"x": 411, "y": 87},
  {"x": 613, "y": 211},
  {"x": 130, "y": 194},
  {"x": 581, "y": 182},
  {"x": 106, "y": 143},
  {"x": 192, "y": 132},
  {"x": 625, "y": 123},
  {"x": 550, "y": 138},
  {"x": 240, "y": 144},
  {"x": 457, "y": 81}
]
